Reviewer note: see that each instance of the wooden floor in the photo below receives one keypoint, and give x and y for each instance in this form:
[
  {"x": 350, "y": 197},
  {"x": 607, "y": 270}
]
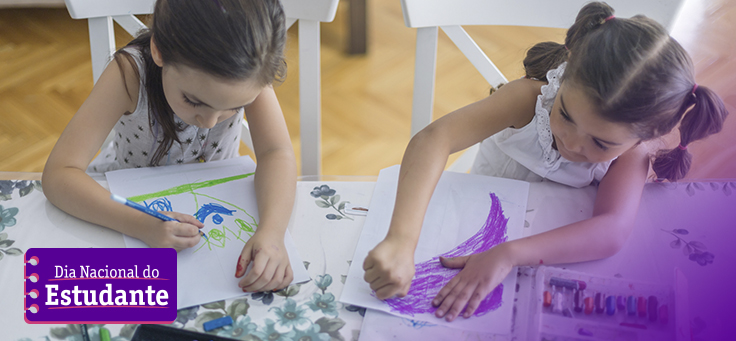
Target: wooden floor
[{"x": 45, "y": 75}]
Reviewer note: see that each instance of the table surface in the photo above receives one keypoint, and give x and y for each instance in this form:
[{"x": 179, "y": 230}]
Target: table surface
[
  {"x": 702, "y": 210},
  {"x": 20, "y": 176}
]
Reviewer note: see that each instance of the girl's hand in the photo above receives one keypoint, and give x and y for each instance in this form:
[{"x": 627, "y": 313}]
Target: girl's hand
[
  {"x": 389, "y": 269},
  {"x": 271, "y": 267},
  {"x": 178, "y": 235},
  {"x": 481, "y": 273}
]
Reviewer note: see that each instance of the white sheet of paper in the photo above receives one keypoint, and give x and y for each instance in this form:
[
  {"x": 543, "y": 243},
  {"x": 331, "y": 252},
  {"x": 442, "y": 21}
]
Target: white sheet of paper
[
  {"x": 458, "y": 209},
  {"x": 206, "y": 272},
  {"x": 378, "y": 325}
]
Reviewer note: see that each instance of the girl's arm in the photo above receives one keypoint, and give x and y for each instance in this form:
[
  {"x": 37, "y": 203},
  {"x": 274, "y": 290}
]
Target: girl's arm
[
  {"x": 389, "y": 267},
  {"x": 601, "y": 236},
  {"x": 67, "y": 186},
  {"x": 275, "y": 183}
]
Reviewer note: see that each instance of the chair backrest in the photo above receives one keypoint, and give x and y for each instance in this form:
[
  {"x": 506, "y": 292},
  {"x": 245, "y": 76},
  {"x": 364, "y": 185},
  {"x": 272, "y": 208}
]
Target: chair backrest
[
  {"x": 100, "y": 15},
  {"x": 310, "y": 14},
  {"x": 450, "y": 15}
]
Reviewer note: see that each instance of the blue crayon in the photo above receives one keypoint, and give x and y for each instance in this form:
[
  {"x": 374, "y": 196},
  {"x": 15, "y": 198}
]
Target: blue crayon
[
  {"x": 611, "y": 305},
  {"x": 631, "y": 305},
  {"x": 217, "y": 323}
]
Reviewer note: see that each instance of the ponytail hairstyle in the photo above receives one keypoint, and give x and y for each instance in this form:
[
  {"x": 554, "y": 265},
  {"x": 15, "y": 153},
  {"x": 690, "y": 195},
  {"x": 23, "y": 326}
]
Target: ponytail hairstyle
[
  {"x": 229, "y": 39},
  {"x": 704, "y": 119},
  {"x": 543, "y": 57},
  {"x": 635, "y": 73}
]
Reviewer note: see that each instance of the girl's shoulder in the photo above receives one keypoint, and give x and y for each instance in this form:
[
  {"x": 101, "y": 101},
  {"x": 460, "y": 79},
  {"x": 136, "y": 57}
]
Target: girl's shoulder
[
  {"x": 131, "y": 66},
  {"x": 524, "y": 92},
  {"x": 530, "y": 88}
]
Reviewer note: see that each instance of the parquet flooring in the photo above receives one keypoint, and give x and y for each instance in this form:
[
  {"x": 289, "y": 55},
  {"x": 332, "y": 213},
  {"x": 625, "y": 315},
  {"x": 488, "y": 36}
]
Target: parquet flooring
[{"x": 45, "y": 75}]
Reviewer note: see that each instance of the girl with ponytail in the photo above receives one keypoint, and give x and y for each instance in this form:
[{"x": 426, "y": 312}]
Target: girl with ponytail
[{"x": 578, "y": 117}]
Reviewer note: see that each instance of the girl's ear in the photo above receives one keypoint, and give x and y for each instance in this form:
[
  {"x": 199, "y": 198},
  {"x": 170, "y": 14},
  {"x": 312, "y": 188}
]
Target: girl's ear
[{"x": 155, "y": 54}]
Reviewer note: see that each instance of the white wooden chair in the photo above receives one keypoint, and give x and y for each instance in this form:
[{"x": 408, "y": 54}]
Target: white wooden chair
[
  {"x": 429, "y": 15},
  {"x": 100, "y": 15}
]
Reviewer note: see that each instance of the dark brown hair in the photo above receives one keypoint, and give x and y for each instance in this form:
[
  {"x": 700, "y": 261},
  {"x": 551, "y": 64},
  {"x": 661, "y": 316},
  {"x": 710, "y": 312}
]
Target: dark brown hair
[
  {"x": 230, "y": 39},
  {"x": 635, "y": 73}
]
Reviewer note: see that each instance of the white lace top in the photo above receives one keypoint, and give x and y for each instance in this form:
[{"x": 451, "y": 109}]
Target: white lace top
[
  {"x": 135, "y": 141},
  {"x": 526, "y": 153}
]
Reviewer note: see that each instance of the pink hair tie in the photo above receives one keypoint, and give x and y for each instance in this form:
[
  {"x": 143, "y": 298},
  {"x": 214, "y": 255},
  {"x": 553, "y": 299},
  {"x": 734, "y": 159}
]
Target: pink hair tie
[
  {"x": 695, "y": 87},
  {"x": 681, "y": 147},
  {"x": 609, "y": 18}
]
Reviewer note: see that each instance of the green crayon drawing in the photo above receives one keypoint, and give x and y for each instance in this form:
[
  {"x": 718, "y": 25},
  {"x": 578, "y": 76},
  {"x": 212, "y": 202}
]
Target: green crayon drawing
[
  {"x": 217, "y": 237},
  {"x": 212, "y": 207},
  {"x": 187, "y": 188}
]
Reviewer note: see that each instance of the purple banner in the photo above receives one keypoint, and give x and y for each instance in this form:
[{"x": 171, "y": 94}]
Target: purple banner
[{"x": 91, "y": 285}]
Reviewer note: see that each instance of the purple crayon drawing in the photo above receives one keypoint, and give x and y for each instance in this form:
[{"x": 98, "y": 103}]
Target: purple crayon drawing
[{"x": 431, "y": 276}]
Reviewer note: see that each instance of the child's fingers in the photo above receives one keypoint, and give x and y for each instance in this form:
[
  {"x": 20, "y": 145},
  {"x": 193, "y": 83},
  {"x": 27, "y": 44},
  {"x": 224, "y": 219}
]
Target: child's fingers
[
  {"x": 243, "y": 262},
  {"x": 368, "y": 263},
  {"x": 185, "y": 231},
  {"x": 278, "y": 277},
  {"x": 371, "y": 275},
  {"x": 184, "y": 218},
  {"x": 445, "y": 291},
  {"x": 449, "y": 308},
  {"x": 181, "y": 243},
  {"x": 288, "y": 277},
  {"x": 398, "y": 286},
  {"x": 405, "y": 291},
  {"x": 269, "y": 273},
  {"x": 275, "y": 279},
  {"x": 379, "y": 283},
  {"x": 478, "y": 295},
  {"x": 385, "y": 292},
  {"x": 266, "y": 277},
  {"x": 259, "y": 265},
  {"x": 454, "y": 262},
  {"x": 460, "y": 300},
  {"x": 378, "y": 279}
]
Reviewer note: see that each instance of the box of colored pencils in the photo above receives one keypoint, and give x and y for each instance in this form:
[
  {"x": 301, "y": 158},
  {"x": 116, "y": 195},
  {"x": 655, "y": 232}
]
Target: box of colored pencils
[{"x": 569, "y": 305}]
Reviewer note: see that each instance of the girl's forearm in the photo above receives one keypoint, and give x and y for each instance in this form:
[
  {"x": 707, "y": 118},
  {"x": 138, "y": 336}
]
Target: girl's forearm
[
  {"x": 596, "y": 238},
  {"x": 74, "y": 192},
  {"x": 275, "y": 185},
  {"x": 421, "y": 168},
  {"x": 603, "y": 235}
]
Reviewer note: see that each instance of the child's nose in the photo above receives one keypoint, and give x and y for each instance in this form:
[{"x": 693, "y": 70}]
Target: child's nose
[
  {"x": 574, "y": 144},
  {"x": 207, "y": 121}
]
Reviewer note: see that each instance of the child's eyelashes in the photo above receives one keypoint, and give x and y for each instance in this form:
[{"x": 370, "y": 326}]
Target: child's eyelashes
[
  {"x": 198, "y": 104},
  {"x": 190, "y": 102},
  {"x": 564, "y": 115},
  {"x": 599, "y": 144}
]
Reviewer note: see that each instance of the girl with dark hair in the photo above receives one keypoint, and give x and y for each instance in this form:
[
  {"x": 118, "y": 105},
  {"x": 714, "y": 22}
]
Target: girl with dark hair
[
  {"x": 578, "y": 117},
  {"x": 177, "y": 94}
]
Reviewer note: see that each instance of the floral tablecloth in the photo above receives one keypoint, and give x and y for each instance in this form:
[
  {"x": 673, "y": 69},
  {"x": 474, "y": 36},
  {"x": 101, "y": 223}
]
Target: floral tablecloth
[
  {"x": 687, "y": 226},
  {"x": 324, "y": 232}
]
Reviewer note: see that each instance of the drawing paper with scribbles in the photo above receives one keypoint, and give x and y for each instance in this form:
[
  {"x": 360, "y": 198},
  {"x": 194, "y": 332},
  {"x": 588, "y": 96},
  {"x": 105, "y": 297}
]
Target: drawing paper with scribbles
[
  {"x": 221, "y": 195},
  {"x": 467, "y": 214}
]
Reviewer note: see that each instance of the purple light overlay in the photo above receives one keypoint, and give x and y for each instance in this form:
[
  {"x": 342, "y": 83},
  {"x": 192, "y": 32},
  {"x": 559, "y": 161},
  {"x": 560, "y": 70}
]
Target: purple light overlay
[
  {"x": 431, "y": 276},
  {"x": 684, "y": 234}
]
